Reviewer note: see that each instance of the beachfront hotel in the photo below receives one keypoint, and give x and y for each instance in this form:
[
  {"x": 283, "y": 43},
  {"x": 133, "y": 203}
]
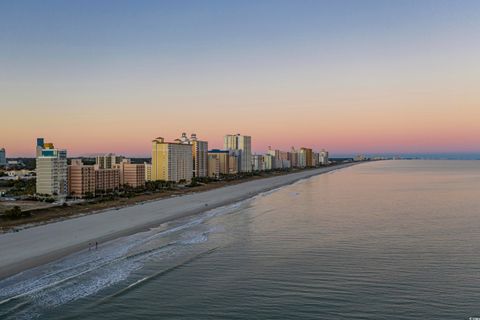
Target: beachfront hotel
[
  {"x": 52, "y": 170},
  {"x": 227, "y": 162},
  {"x": 171, "y": 161},
  {"x": 131, "y": 174},
  {"x": 199, "y": 154},
  {"x": 106, "y": 180},
  {"x": 243, "y": 146},
  {"x": 81, "y": 179}
]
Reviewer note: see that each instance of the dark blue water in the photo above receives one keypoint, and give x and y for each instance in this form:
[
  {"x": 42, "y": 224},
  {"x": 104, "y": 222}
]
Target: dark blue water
[{"x": 394, "y": 239}]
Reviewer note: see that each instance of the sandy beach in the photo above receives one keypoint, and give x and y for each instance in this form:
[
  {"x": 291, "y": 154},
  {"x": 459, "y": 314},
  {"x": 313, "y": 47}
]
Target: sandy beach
[{"x": 38, "y": 245}]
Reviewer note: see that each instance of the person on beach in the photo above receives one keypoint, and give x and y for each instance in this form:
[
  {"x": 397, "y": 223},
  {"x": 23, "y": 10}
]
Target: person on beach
[{"x": 96, "y": 245}]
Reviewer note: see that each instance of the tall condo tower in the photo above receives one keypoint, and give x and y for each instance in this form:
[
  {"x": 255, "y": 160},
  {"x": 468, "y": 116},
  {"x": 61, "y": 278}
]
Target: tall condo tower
[
  {"x": 171, "y": 161},
  {"x": 242, "y": 144}
]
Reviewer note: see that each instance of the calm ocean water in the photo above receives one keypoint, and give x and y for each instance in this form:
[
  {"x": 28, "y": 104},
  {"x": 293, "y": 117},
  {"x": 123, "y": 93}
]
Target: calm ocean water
[{"x": 393, "y": 239}]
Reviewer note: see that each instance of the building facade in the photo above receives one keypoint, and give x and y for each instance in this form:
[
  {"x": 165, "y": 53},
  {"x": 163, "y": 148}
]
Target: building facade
[
  {"x": 323, "y": 157},
  {"x": 242, "y": 144},
  {"x": 3, "y": 157},
  {"x": 148, "y": 171},
  {"x": 171, "y": 161},
  {"x": 52, "y": 172},
  {"x": 200, "y": 156},
  {"x": 81, "y": 179},
  {"x": 107, "y": 161},
  {"x": 257, "y": 162},
  {"x": 106, "y": 180},
  {"x": 308, "y": 156},
  {"x": 131, "y": 174}
]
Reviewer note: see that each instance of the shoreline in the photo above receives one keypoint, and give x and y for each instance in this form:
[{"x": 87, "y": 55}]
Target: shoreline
[{"x": 35, "y": 246}]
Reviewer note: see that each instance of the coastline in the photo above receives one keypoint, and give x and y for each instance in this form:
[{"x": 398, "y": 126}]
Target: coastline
[{"x": 41, "y": 244}]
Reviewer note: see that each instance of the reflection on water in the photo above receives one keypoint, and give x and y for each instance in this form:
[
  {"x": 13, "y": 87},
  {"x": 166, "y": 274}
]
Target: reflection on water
[{"x": 392, "y": 239}]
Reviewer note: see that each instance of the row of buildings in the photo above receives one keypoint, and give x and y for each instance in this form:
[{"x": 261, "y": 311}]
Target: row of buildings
[
  {"x": 56, "y": 178},
  {"x": 178, "y": 161}
]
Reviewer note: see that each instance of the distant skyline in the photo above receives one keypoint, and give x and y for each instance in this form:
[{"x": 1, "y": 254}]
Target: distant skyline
[{"x": 349, "y": 76}]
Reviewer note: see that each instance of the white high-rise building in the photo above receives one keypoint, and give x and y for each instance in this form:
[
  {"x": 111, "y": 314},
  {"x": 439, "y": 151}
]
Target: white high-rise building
[
  {"x": 171, "y": 161},
  {"x": 199, "y": 154},
  {"x": 323, "y": 157},
  {"x": 52, "y": 172},
  {"x": 244, "y": 145}
]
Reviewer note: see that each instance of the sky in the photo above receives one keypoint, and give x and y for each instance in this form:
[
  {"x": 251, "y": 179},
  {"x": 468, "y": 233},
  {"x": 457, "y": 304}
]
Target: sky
[{"x": 349, "y": 76}]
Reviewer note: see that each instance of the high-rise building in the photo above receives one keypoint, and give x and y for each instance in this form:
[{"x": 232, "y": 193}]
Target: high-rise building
[
  {"x": 268, "y": 162},
  {"x": 228, "y": 160},
  {"x": 257, "y": 162},
  {"x": 148, "y": 171},
  {"x": 323, "y": 157},
  {"x": 171, "y": 161},
  {"x": 200, "y": 156},
  {"x": 308, "y": 156},
  {"x": 52, "y": 171},
  {"x": 131, "y": 174},
  {"x": 302, "y": 159},
  {"x": 293, "y": 157},
  {"x": 39, "y": 147},
  {"x": 243, "y": 144},
  {"x": 107, "y": 161},
  {"x": 213, "y": 165},
  {"x": 3, "y": 157},
  {"x": 81, "y": 179}
]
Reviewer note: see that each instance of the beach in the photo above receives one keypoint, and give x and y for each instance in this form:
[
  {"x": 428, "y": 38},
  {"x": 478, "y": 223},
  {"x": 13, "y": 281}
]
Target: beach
[{"x": 38, "y": 245}]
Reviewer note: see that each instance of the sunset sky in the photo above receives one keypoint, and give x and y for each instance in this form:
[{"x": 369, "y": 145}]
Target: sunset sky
[{"x": 351, "y": 76}]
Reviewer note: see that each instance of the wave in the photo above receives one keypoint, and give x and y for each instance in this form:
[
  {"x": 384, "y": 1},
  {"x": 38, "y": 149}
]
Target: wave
[{"x": 27, "y": 294}]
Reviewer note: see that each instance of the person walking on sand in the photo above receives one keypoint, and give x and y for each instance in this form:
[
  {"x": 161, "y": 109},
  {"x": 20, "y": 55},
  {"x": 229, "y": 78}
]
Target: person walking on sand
[{"x": 96, "y": 245}]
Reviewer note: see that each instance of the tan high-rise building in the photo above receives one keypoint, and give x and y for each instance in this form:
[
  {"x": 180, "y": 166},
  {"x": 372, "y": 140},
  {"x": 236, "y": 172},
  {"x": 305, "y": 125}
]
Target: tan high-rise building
[
  {"x": 81, "y": 179},
  {"x": 131, "y": 174},
  {"x": 308, "y": 156},
  {"x": 242, "y": 144},
  {"x": 227, "y": 161},
  {"x": 200, "y": 156},
  {"x": 171, "y": 161},
  {"x": 213, "y": 166}
]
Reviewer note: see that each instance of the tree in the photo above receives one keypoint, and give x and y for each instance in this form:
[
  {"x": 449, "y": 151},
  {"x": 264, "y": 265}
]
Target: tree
[{"x": 14, "y": 213}]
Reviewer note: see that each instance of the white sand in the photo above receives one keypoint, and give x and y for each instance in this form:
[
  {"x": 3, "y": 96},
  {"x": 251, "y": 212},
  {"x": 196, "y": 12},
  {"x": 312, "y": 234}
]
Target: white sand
[{"x": 38, "y": 245}]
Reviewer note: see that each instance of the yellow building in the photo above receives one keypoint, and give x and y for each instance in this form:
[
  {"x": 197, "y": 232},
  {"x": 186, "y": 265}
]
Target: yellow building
[{"x": 171, "y": 161}]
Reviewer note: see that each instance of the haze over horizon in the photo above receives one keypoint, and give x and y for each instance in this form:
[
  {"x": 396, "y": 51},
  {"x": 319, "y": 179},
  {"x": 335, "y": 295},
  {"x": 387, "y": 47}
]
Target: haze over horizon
[{"x": 348, "y": 76}]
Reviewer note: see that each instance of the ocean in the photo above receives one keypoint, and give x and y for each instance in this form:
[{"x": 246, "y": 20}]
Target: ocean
[{"x": 380, "y": 240}]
